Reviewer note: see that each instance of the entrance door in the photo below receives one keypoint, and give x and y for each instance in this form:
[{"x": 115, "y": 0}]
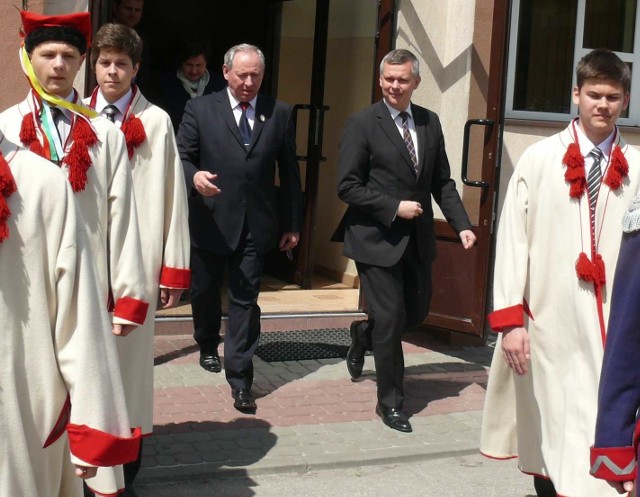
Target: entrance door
[{"x": 461, "y": 276}]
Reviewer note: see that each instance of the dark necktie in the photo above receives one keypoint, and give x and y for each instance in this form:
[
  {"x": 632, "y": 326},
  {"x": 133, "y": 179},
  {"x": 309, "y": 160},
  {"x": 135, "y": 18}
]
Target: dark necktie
[
  {"x": 110, "y": 112},
  {"x": 406, "y": 135},
  {"x": 243, "y": 124},
  {"x": 56, "y": 116},
  {"x": 593, "y": 182}
]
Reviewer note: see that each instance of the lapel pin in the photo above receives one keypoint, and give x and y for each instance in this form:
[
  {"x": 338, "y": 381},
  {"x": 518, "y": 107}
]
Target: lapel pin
[{"x": 262, "y": 118}]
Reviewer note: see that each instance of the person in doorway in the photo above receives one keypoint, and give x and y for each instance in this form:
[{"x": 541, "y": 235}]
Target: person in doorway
[
  {"x": 129, "y": 13},
  {"x": 229, "y": 143},
  {"x": 391, "y": 162},
  {"x": 557, "y": 247},
  {"x": 53, "y": 123},
  {"x": 192, "y": 79},
  {"x": 61, "y": 403},
  {"x": 161, "y": 203}
]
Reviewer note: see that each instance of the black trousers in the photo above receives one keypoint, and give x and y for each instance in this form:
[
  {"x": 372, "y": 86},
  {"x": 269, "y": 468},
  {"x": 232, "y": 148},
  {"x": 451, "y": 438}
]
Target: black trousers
[
  {"x": 244, "y": 267},
  {"x": 397, "y": 299}
]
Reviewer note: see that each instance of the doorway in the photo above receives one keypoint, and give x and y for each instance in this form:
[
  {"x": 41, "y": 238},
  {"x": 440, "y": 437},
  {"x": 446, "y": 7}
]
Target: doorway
[{"x": 320, "y": 58}]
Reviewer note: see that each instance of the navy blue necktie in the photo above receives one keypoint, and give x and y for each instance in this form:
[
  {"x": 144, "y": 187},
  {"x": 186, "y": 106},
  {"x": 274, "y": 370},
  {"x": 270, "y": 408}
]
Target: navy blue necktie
[{"x": 243, "y": 124}]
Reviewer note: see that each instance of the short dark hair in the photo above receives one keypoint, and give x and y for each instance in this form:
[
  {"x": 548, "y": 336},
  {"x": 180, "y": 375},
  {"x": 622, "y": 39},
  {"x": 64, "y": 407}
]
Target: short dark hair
[
  {"x": 193, "y": 48},
  {"x": 64, "y": 34},
  {"x": 602, "y": 63},
  {"x": 118, "y": 37}
]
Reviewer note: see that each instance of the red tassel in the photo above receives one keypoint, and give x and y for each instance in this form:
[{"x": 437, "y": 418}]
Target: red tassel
[
  {"x": 618, "y": 169},
  {"x": 78, "y": 159},
  {"x": 28, "y": 135},
  {"x": 7, "y": 187},
  {"x": 599, "y": 270},
  {"x": 574, "y": 175},
  {"x": 591, "y": 272},
  {"x": 82, "y": 131},
  {"x": 7, "y": 183},
  {"x": 134, "y": 133},
  {"x": 584, "y": 268},
  {"x": 28, "y": 130}
]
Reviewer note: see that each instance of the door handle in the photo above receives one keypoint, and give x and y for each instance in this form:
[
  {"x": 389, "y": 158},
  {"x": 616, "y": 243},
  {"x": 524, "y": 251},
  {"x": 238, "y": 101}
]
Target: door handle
[
  {"x": 489, "y": 123},
  {"x": 319, "y": 121}
]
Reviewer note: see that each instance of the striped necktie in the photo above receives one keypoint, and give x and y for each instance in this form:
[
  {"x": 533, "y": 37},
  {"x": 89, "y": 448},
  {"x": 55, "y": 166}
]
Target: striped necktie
[
  {"x": 406, "y": 136},
  {"x": 593, "y": 181}
]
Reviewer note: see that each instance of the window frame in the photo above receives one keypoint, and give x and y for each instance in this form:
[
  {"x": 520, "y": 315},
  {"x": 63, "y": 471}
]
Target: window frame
[{"x": 578, "y": 52}]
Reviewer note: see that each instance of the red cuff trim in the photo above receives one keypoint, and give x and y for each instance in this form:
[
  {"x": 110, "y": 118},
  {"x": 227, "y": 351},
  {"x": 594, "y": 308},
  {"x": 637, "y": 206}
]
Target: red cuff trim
[
  {"x": 102, "y": 449},
  {"x": 509, "y": 317},
  {"x": 131, "y": 309},
  {"x": 613, "y": 463},
  {"x": 172, "y": 277}
]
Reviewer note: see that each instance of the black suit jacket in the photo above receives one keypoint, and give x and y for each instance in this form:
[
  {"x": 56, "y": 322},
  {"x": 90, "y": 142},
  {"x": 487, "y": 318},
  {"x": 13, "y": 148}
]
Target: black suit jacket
[
  {"x": 375, "y": 173},
  {"x": 209, "y": 139}
]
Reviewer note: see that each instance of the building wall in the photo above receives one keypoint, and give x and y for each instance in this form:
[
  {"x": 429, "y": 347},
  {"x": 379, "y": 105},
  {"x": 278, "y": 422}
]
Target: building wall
[{"x": 441, "y": 34}]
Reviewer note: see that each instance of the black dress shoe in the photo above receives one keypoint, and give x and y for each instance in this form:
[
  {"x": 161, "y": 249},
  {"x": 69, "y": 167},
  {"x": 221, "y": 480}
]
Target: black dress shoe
[
  {"x": 244, "y": 401},
  {"x": 355, "y": 355},
  {"x": 394, "y": 418},
  {"x": 544, "y": 487},
  {"x": 210, "y": 361}
]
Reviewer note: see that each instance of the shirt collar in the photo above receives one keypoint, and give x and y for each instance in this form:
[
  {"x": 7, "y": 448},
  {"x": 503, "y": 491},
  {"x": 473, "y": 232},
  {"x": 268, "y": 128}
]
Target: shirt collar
[
  {"x": 586, "y": 146},
  {"x": 122, "y": 103},
  {"x": 395, "y": 112},
  {"x": 235, "y": 102},
  {"x": 71, "y": 98}
]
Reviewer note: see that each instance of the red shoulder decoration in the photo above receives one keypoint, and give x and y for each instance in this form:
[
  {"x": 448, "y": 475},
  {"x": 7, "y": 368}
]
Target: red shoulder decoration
[
  {"x": 618, "y": 169},
  {"x": 574, "y": 175},
  {"x": 78, "y": 159},
  {"x": 7, "y": 187},
  {"x": 28, "y": 135},
  {"x": 134, "y": 133}
]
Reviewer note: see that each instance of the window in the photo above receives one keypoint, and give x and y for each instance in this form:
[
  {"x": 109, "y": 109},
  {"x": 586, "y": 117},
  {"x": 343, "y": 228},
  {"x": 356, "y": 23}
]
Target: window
[{"x": 548, "y": 38}]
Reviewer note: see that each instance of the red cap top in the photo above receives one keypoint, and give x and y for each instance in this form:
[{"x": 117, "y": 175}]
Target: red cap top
[{"x": 78, "y": 20}]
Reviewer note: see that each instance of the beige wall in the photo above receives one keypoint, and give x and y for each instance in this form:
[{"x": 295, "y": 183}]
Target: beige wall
[
  {"x": 441, "y": 36},
  {"x": 350, "y": 54},
  {"x": 13, "y": 84}
]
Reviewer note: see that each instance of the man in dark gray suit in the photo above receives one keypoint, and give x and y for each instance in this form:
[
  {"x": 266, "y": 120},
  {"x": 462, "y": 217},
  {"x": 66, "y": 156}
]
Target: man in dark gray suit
[
  {"x": 229, "y": 143},
  {"x": 392, "y": 160}
]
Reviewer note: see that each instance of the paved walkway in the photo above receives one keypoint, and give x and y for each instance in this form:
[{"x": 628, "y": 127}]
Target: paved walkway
[{"x": 310, "y": 414}]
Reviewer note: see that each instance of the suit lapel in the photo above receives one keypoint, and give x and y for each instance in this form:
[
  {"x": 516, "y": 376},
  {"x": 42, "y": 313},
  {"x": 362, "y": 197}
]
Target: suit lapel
[
  {"x": 391, "y": 130},
  {"x": 421, "y": 132},
  {"x": 224, "y": 108},
  {"x": 258, "y": 122}
]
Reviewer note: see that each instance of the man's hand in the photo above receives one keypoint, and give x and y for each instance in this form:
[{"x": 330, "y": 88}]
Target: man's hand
[
  {"x": 170, "y": 297},
  {"x": 622, "y": 487},
  {"x": 515, "y": 349},
  {"x": 408, "y": 209},
  {"x": 85, "y": 471},
  {"x": 468, "y": 238},
  {"x": 203, "y": 183},
  {"x": 122, "y": 330},
  {"x": 288, "y": 241}
]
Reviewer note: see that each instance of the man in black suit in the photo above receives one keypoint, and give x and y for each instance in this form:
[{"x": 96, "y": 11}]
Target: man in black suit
[
  {"x": 229, "y": 143},
  {"x": 391, "y": 161}
]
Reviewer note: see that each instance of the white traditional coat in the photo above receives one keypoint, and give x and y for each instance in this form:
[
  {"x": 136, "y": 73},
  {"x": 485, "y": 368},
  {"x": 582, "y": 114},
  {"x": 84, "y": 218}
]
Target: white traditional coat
[
  {"x": 161, "y": 200},
  {"x": 107, "y": 210},
  {"x": 547, "y": 417},
  {"x": 58, "y": 371}
]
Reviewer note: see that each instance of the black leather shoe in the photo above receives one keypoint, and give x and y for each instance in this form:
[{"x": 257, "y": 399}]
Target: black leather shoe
[
  {"x": 355, "y": 355},
  {"x": 210, "y": 361},
  {"x": 244, "y": 401},
  {"x": 394, "y": 418}
]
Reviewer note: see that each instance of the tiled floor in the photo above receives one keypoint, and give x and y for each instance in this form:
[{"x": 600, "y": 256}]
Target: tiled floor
[{"x": 276, "y": 296}]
